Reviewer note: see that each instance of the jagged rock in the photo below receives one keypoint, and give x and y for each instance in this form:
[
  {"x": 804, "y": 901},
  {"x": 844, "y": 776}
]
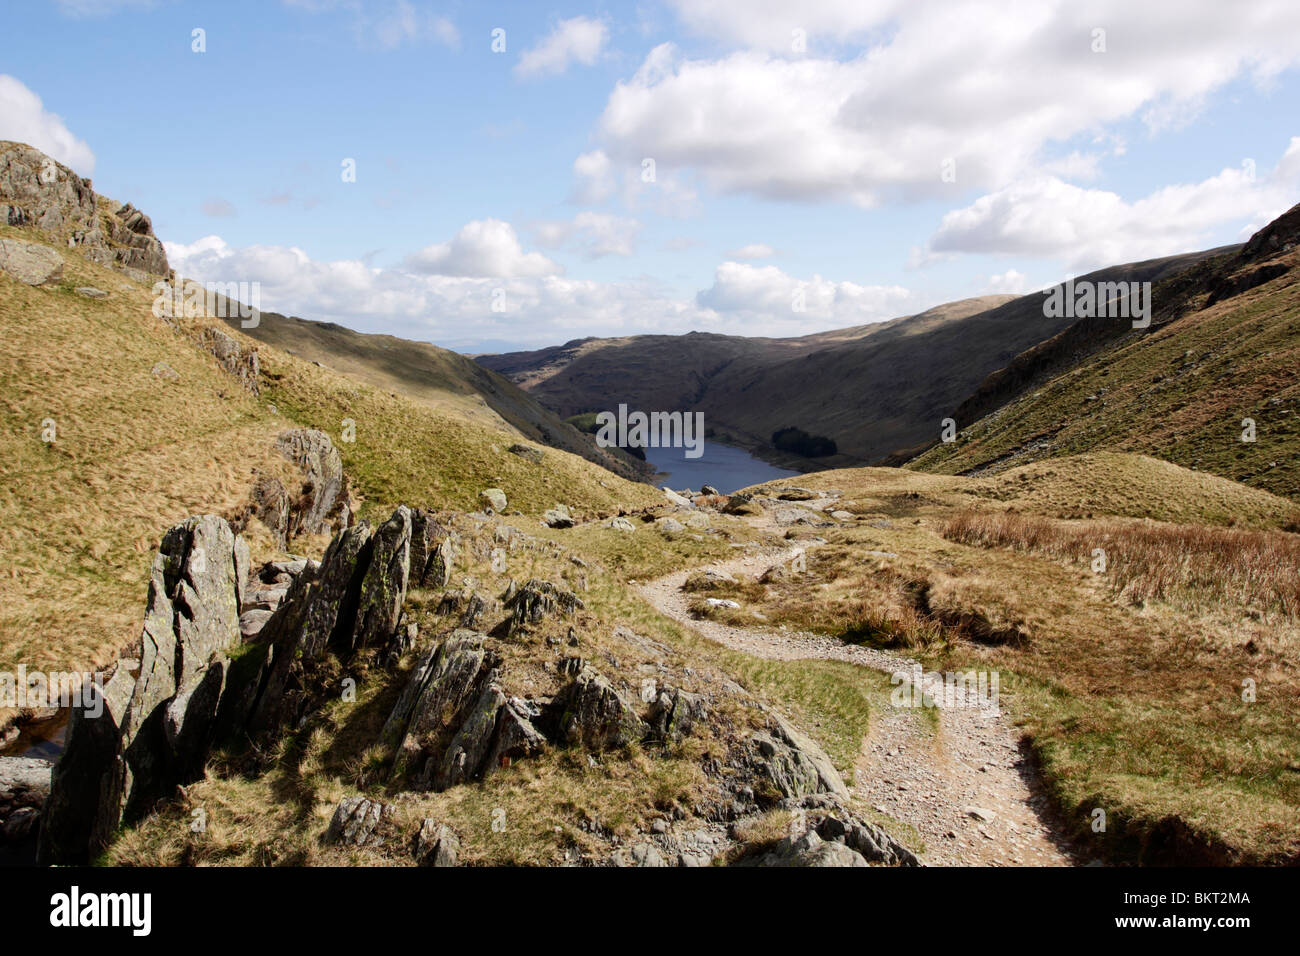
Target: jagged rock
[
  {"x": 794, "y": 764},
  {"x": 437, "y": 569},
  {"x": 592, "y": 713},
  {"x": 383, "y": 590},
  {"x": 30, "y": 262},
  {"x": 493, "y": 501},
  {"x": 516, "y": 737},
  {"x": 867, "y": 839},
  {"x": 620, "y": 523},
  {"x": 674, "y": 713},
  {"x": 535, "y": 601},
  {"x": 270, "y": 505},
  {"x": 527, "y": 452},
  {"x": 322, "y": 504},
  {"x": 131, "y": 236},
  {"x": 239, "y": 362},
  {"x": 558, "y": 517},
  {"x": 469, "y": 746},
  {"x": 811, "y": 850},
  {"x": 443, "y": 681},
  {"x": 710, "y": 491},
  {"x": 436, "y": 844},
  {"x": 741, "y": 504},
  {"x": 432, "y": 553},
  {"x": 357, "y": 822},
  {"x": 154, "y": 729}
]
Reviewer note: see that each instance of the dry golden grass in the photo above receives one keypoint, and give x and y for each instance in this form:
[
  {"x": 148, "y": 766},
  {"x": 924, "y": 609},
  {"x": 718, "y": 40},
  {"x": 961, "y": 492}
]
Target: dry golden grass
[{"x": 1144, "y": 561}]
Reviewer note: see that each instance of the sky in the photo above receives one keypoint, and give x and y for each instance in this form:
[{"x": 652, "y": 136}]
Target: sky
[{"x": 497, "y": 176}]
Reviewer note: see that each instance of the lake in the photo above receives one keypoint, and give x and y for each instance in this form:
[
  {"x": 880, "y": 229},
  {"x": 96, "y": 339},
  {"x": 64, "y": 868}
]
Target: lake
[{"x": 725, "y": 467}]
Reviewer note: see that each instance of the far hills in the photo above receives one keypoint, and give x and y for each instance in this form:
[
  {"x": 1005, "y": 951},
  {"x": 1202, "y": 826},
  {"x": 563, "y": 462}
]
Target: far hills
[{"x": 876, "y": 390}]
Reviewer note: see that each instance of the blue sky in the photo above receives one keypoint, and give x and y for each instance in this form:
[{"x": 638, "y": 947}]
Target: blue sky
[{"x": 799, "y": 150}]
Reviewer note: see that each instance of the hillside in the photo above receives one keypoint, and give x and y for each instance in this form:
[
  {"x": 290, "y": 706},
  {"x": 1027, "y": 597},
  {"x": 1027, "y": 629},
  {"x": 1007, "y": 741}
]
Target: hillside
[
  {"x": 1223, "y": 347},
  {"x": 876, "y": 390},
  {"x": 444, "y": 380}
]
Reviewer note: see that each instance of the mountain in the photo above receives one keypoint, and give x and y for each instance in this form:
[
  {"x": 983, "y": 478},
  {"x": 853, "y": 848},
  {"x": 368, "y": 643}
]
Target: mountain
[
  {"x": 1222, "y": 348},
  {"x": 875, "y": 390}
]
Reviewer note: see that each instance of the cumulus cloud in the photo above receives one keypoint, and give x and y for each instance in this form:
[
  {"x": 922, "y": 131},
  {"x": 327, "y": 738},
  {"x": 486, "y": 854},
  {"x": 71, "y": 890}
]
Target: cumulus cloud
[
  {"x": 594, "y": 234},
  {"x": 485, "y": 248},
  {"x": 577, "y": 40},
  {"x": 770, "y": 301},
  {"x": 1000, "y": 90},
  {"x": 1088, "y": 228},
  {"x": 755, "y": 250},
  {"x": 594, "y": 177},
  {"x": 24, "y": 119},
  {"x": 1011, "y": 282},
  {"x": 528, "y": 311}
]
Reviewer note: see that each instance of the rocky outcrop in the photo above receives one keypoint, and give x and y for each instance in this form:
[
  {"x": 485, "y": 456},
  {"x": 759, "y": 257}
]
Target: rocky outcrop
[
  {"x": 436, "y": 845},
  {"x": 240, "y": 362},
  {"x": 30, "y": 262},
  {"x": 534, "y": 602},
  {"x": 826, "y": 833},
  {"x": 158, "y": 715},
  {"x": 37, "y": 192},
  {"x": 674, "y": 713},
  {"x": 322, "y": 505},
  {"x": 792, "y": 764},
  {"x": 591, "y": 713},
  {"x": 453, "y": 722},
  {"x": 383, "y": 589},
  {"x": 359, "y": 822}
]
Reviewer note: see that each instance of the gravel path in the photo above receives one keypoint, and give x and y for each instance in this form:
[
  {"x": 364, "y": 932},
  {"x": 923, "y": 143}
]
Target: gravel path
[{"x": 966, "y": 789}]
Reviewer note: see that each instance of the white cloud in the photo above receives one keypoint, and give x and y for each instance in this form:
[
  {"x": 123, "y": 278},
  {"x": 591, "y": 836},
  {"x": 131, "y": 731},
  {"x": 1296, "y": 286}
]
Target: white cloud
[
  {"x": 24, "y": 119},
  {"x": 755, "y": 250},
  {"x": 595, "y": 178},
  {"x": 770, "y": 24},
  {"x": 770, "y": 301},
  {"x": 1001, "y": 89},
  {"x": 577, "y": 40},
  {"x": 1089, "y": 228},
  {"x": 1011, "y": 282},
  {"x": 484, "y": 247},
  {"x": 457, "y": 311},
  {"x": 595, "y": 234}
]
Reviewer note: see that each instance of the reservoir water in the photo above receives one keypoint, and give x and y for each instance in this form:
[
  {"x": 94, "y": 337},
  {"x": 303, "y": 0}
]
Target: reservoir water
[{"x": 726, "y": 467}]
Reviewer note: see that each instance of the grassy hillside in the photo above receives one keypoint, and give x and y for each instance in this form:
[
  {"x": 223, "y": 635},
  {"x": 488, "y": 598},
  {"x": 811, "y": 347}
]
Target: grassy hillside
[
  {"x": 446, "y": 381},
  {"x": 135, "y": 452},
  {"x": 1179, "y": 391}
]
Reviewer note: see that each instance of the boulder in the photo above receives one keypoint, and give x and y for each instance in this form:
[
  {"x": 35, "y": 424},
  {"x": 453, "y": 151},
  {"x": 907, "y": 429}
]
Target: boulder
[
  {"x": 30, "y": 262},
  {"x": 154, "y": 728},
  {"x": 321, "y": 505},
  {"x": 792, "y": 763},
  {"x": 383, "y": 590},
  {"x": 710, "y": 491},
  {"x": 493, "y": 501},
  {"x": 677, "y": 499},
  {"x": 357, "y": 822},
  {"x": 590, "y": 712},
  {"x": 558, "y": 517},
  {"x": 436, "y": 844},
  {"x": 619, "y": 523},
  {"x": 669, "y": 525}
]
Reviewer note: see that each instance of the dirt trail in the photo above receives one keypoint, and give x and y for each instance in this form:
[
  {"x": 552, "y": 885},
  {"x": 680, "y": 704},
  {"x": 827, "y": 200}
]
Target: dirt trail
[{"x": 965, "y": 788}]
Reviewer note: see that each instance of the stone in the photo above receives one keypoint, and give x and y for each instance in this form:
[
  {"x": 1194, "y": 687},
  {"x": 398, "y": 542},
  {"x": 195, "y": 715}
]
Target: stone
[
  {"x": 619, "y": 523},
  {"x": 535, "y": 601},
  {"x": 240, "y": 362},
  {"x": 155, "y": 728},
  {"x": 436, "y": 844},
  {"x": 710, "y": 491},
  {"x": 741, "y": 504},
  {"x": 669, "y": 525},
  {"x": 527, "y": 452},
  {"x": 356, "y": 822},
  {"x": 493, "y": 501},
  {"x": 165, "y": 371},
  {"x": 592, "y": 713},
  {"x": 322, "y": 503},
  {"x": 641, "y": 854},
  {"x": 842, "y": 515},
  {"x": 699, "y": 522},
  {"x": 676, "y": 499},
  {"x": 721, "y": 602},
  {"x": 469, "y": 746},
  {"x": 383, "y": 590},
  {"x": 558, "y": 517},
  {"x": 90, "y": 292},
  {"x": 30, "y": 262},
  {"x": 811, "y": 850},
  {"x": 674, "y": 713},
  {"x": 793, "y": 763},
  {"x": 980, "y": 814}
]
